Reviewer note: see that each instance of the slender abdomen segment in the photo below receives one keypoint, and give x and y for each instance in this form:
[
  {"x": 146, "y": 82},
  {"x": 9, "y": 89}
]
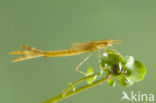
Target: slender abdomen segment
[{"x": 62, "y": 53}]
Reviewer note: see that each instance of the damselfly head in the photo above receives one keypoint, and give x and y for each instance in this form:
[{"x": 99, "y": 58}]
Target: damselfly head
[{"x": 107, "y": 42}]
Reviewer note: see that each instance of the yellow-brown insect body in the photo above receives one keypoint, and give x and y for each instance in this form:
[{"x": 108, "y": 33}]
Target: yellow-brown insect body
[
  {"x": 29, "y": 52},
  {"x": 76, "y": 50},
  {"x": 63, "y": 53}
]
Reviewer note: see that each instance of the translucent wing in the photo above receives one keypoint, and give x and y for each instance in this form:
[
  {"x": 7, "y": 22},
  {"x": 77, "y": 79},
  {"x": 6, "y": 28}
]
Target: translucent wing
[{"x": 82, "y": 46}]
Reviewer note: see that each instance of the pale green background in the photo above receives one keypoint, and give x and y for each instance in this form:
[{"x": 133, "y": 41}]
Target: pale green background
[{"x": 54, "y": 25}]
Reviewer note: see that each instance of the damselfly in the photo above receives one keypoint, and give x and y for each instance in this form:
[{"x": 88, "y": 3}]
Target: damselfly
[{"x": 29, "y": 52}]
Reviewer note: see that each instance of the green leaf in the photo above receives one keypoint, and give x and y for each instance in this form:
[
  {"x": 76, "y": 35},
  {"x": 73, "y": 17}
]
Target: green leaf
[
  {"x": 91, "y": 79},
  {"x": 107, "y": 71},
  {"x": 127, "y": 69},
  {"x": 90, "y": 71},
  {"x": 112, "y": 51},
  {"x": 124, "y": 81},
  {"x": 112, "y": 60},
  {"x": 111, "y": 83},
  {"x": 138, "y": 73},
  {"x": 135, "y": 72},
  {"x": 129, "y": 62}
]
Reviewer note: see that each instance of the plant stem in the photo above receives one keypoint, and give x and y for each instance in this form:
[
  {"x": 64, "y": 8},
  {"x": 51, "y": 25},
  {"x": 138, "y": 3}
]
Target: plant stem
[
  {"x": 78, "y": 90},
  {"x": 77, "y": 82}
]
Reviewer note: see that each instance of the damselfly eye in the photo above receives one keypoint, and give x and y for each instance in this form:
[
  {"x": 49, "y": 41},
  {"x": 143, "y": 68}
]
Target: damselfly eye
[{"x": 106, "y": 43}]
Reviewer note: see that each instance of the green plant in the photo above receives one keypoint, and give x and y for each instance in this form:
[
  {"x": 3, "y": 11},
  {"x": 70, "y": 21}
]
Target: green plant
[{"x": 126, "y": 69}]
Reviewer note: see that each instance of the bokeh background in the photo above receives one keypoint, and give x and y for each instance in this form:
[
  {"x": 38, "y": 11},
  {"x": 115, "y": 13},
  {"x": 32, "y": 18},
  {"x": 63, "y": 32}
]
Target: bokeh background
[{"x": 56, "y": 24}]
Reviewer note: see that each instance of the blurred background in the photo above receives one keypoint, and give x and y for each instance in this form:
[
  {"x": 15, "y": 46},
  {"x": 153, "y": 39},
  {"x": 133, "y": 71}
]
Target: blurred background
[{"x": 55, "y": 25}]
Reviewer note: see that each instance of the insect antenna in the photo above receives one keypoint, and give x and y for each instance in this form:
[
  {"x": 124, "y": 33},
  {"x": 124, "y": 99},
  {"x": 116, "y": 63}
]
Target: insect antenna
[{"x": 117, "y": 41}]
